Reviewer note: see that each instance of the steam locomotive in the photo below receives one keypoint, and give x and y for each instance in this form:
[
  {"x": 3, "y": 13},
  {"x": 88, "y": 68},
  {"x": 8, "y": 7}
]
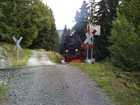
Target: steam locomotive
[{"x": 73, "y": 52}]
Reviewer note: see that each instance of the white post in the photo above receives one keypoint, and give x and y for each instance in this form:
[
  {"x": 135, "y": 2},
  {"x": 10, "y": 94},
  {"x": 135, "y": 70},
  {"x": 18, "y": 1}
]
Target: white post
[
  {"x": 93, "y": 45},
  {"x": 17, "y": 52},
  {"x": 87, "y": 47}
]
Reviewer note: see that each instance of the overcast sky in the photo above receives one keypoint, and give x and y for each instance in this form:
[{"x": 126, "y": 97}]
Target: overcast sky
[{"x": 64, "y": 11}]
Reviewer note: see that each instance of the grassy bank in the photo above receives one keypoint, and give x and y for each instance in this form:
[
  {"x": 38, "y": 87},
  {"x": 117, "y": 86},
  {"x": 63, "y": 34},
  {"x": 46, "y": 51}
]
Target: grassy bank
[
  {"x": 12, "y": 55},
  {"x": 3, "y": 89},
  {"x": 122, "y": 89},
  {"x": 53, "y": 56}
]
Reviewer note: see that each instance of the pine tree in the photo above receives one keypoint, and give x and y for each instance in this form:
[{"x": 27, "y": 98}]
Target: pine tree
[
  {"x": 125, "y": 36},
  {"x": 130, "y": 9},
  {"x": 43, "y": 40},
  {"x": 63, "y": 37},
  {"x": 65, "y": 32},
  {"x": 104, "y": 16},
  {"x": 81, "y": 21},
  {"x": 54, "y": 35},
  {"x": 22, "y": 18}
]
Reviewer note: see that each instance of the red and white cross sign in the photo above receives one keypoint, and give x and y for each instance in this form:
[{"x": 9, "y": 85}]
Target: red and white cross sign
[{"x": 88, "y": 40}]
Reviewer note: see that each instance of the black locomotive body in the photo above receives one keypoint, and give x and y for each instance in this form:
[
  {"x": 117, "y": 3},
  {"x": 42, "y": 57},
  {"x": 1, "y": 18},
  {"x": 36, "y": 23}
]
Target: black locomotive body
[{"x": 73, "y": 50}]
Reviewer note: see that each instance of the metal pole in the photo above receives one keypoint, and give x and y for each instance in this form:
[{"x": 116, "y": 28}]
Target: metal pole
[
  {"x": 87, "y": 47},
  {"x": 93, "y": 45},
  {"x": 17, "y": 52},
  {"x": 87, "y": 52}
]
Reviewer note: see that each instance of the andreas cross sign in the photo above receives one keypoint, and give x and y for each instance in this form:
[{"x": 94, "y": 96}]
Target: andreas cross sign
[{"x": 88, "y": 40}]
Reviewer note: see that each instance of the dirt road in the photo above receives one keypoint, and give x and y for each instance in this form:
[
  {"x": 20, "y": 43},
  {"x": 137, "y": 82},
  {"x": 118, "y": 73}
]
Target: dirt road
[{"x": 51, "y": 85}]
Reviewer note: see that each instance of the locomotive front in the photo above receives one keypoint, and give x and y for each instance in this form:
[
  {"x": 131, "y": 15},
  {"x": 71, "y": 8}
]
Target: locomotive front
[{"x": 72, "y": 49}]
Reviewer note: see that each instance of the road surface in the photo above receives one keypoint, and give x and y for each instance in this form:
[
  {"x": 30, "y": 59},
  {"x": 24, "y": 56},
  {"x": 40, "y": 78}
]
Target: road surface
[{"x": 47, "y": 83}]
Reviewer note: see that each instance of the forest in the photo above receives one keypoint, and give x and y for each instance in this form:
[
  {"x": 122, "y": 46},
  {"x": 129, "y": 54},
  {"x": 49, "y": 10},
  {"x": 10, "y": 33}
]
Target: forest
[
  {"x": 119, "y": 42},
  {"x": 31, "y": 19}
]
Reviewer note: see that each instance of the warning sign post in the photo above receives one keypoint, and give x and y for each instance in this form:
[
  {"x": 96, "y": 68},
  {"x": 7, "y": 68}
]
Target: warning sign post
[{"x": 17, "y": 46}]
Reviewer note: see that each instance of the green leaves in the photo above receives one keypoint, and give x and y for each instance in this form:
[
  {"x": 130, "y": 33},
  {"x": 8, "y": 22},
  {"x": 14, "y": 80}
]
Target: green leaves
[
  {"x": 125, "y": 37},
  {"x": 47, "y": 35},
  {"x": 125, "y": 47},
  {"x": 104, "y": 17},
  {"x": 30, "y": 19}
]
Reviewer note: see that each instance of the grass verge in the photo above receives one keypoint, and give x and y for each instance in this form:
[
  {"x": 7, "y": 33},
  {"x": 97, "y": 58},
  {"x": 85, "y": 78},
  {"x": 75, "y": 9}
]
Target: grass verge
[
  {"x": 121, "y": 89},
  {"x": 12, "y": 56},
  {"x": 53, "y": 56},
  {"x": 3, "y": 89},
  {"x": 24, "y": 55}
]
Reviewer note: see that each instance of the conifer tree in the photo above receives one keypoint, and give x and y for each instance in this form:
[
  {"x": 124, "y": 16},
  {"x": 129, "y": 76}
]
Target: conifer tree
[
  {"x": 22, "y": 19},
  {"x": 63, "y": 37},
  {"x": 125, "y": 36},
  {"x": 54, "y": 34},
  {"x": 81, "y": 21},
  {"x": 104, "y": 16},
  {"x": 43, "y": 40}
]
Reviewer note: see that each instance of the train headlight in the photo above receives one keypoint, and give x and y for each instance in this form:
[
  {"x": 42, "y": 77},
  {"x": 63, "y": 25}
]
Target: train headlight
[
  {"x": 70, "y": 34},
  {"x": 67, "y": 50},
  {"x": 76, "y": 49}
]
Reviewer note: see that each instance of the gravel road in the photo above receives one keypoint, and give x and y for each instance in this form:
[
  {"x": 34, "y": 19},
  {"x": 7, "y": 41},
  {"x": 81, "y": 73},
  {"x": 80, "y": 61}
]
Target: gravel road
[{"x": 51, "y": 84}]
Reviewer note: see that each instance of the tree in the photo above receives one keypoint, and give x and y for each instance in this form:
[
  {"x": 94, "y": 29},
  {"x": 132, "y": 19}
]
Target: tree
[
  {"x": 54, "y": 34},
  {"x": 104, "y": 16},
  {"x": 22, "y": 18},
  {"x": 125, "y": 48},
  {"x": 43, "y": 40},
  {"x": 2, "y": 4},
  {"x": 125, "y": 36},
  {"x": 131, "y": 10},
  {"x": 4, "y": 28},
  {"x": 63, "y": 37},
  {"x": 81, "y": 20}
]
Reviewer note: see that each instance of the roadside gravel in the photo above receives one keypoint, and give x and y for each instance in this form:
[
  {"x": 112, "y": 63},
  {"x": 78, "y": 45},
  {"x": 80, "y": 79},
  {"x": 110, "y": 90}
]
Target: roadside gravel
[{"x": 51, "y": 85}]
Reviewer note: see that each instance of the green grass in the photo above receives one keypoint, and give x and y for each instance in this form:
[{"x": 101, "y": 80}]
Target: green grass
[
  {"x": 3, "y": 90},
  {"x": 24, "y": 55},
  {"x": 53, "y": 56},
  {"x": 121, "y": 90},
  {"x": 39, "y": 57}
]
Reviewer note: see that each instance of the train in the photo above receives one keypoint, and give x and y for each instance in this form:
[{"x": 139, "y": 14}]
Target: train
[{"x": 73, "y": 52}]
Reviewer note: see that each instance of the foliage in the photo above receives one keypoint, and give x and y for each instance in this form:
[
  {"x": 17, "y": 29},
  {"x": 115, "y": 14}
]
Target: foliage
[
  {"x": 1, "y": 4},
  {"x": 125, "y": 37},
  {"x": 21, "y": 18},
  {"x": 125, "y": 47},
  {"x": 63, "y": 37},
  {"x": 54, "y": 35},
  {"x": 81, "y": 21},
  {"x": 30, "y": 19},
  {"x": 47, "y": 37},
  {"x": 130, "y": 9},
  {"x": 104, "y": 16}
]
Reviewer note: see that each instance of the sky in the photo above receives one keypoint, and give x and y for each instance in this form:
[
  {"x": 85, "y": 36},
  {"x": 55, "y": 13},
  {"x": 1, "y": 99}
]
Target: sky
[{"x": 64, "y": 11}]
